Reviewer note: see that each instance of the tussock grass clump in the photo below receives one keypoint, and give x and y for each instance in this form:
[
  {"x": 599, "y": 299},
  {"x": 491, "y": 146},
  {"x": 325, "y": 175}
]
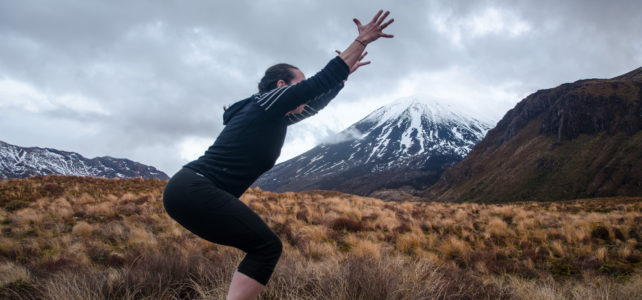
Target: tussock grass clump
[
  {"x": 87, "y": 238},
  {"x": 346, "y": 224}
]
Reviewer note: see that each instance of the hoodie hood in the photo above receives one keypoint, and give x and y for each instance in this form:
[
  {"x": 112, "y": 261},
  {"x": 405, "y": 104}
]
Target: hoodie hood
[{"x": 233, "y": 109}]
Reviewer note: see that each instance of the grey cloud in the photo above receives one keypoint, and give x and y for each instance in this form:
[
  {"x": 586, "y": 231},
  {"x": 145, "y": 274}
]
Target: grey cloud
[
  {"x": 345, "y": 135},
  {"x": 163, "y": 69}
]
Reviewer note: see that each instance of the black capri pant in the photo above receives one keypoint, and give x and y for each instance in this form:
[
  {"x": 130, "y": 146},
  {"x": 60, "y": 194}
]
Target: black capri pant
[{"x": 219, "y": 217}]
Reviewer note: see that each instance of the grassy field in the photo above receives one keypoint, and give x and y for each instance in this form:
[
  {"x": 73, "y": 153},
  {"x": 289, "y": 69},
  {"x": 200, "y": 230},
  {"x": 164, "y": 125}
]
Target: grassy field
[{"x": 88, "y": 238}]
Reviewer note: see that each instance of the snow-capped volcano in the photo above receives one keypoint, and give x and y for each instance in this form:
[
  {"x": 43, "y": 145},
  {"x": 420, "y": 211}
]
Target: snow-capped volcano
[
  {"x": 409, "y": 128},
  {"x": 22, "y": 162},
  {"x": 408, "y": 142}
]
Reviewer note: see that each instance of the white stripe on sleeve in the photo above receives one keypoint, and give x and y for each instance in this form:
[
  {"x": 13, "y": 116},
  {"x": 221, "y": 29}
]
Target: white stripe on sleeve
[
  {"x": 266, "y": 97},
  {"x": 277, "y": 97}
]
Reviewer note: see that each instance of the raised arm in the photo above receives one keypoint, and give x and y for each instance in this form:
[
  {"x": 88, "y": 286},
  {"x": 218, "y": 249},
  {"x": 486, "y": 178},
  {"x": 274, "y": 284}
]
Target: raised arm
[
  {"x": 286, "y": 98},
  {"x": 281, "y": 100},
  {"x": 314, "y": 106}
]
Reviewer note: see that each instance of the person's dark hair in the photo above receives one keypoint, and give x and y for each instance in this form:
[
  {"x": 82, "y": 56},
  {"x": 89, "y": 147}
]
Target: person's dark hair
[{"x": 275, "y": 73}]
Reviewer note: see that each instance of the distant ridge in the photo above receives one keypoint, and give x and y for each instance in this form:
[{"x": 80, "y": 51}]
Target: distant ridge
[
  {"x": 578, "y": 140},
  {"x": 22, "y": 162},
  {"x": 633, "y": 75}
]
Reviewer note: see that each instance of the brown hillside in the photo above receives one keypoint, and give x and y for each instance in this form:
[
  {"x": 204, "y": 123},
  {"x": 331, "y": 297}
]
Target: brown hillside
[
  {"x": 577, "y": 140},
  {"x": 91, "y": 238}
]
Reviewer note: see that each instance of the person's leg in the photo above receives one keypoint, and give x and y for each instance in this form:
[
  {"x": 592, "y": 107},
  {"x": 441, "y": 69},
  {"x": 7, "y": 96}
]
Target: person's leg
[
  {"x": 219, "y": 217},
  {"x": 243, "y": 287}
]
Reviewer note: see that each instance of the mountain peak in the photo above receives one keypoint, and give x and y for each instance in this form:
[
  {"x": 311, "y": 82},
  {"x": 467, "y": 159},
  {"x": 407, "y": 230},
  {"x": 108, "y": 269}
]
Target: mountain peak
[
  {"x": 407, "y": 142},
  {"x": 414, "y": 107},
  {"x": 418, "y": 126}
]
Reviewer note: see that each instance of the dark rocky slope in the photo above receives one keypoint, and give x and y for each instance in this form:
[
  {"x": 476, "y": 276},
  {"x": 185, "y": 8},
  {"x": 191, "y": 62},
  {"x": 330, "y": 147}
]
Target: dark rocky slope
[{"x": 581, "y": 139}]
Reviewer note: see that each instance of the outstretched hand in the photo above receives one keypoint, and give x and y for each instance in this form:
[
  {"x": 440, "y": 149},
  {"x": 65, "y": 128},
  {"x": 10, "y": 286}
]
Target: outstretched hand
[
  {"x": 374, "y": 30},
  {"x": 359, "y": 62},
  {"x": 368, "y": 33}
]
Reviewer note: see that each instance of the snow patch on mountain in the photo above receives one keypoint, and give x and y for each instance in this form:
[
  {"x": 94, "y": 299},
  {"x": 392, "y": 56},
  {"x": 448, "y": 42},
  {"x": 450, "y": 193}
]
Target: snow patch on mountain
[{"x": 421, "y": 122}]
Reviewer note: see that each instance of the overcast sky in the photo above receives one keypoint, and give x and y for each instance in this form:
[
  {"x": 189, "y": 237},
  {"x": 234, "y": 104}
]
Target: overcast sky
[{"x": 146, "y": 79}]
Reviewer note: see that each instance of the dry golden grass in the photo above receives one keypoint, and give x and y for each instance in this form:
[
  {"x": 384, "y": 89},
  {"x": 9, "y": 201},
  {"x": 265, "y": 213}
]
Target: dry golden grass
[{"x": 83, "y": 238}]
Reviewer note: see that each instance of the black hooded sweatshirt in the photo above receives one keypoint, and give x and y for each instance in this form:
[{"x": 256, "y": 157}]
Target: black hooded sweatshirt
[{"x": 255, "y": 128}]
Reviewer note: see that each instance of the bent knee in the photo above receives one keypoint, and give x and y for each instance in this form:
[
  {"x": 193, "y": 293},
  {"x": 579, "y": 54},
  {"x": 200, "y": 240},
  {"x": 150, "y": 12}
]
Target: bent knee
[
  {"x": 274, "y": 248},
  {"x": 259, "y": 263}
]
